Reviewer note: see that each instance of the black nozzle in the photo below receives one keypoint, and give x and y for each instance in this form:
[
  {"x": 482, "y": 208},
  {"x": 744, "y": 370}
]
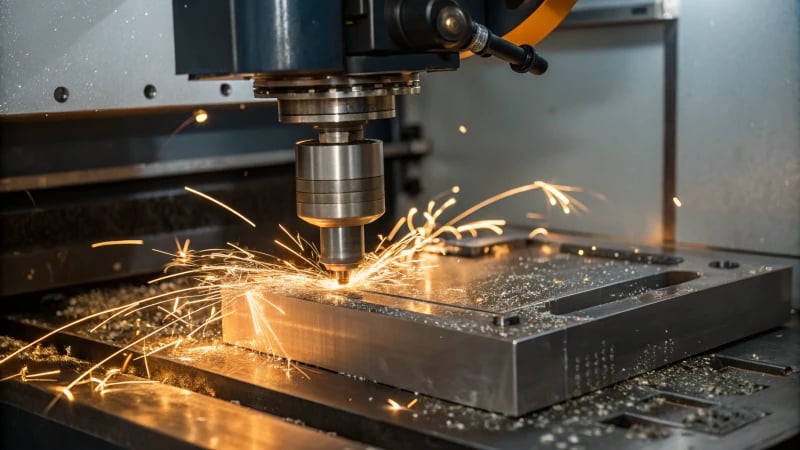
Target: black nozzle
[
  {"x": 521, "y": 58},
  {"x": 533, "y": 62}
]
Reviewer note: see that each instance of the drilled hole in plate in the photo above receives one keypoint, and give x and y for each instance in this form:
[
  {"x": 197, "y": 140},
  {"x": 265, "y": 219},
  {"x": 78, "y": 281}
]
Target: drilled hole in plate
[{"x": 724, "y": 264}]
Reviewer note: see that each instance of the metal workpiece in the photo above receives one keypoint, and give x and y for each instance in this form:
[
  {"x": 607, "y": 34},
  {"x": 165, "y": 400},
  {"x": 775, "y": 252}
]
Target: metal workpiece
[{"x": 523, "y": 328}]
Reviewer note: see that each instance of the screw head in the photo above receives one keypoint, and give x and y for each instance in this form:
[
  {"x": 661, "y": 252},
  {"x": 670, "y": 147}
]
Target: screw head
[
  {"x": 150, "y": 91},
  {"x": 61, "y": 94},
  {"x": 451, "y": 24},
  {"x": 225, "y": 89}
]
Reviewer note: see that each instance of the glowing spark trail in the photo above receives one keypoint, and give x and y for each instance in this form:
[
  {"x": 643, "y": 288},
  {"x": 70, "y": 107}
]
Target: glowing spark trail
[
  {"x": 199, "y": 116},
  {"x": 25, "y": 376},
  {"x": 537, "y": 232},
  {"x": 183, "y": 314},
  {"x": 120, "y": 242},
  {"x": 553, "y": 192},
  {"x": 68, "y": 394},
  {"x": 219, "y": 203},
  {"x": 42, "y": 374}
]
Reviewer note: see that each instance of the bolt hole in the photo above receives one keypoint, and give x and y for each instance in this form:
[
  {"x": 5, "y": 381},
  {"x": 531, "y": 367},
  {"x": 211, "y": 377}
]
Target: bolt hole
[
  {"x": 150, "y": 91},
  {"x": 724, "y": 264},
  {"x": 225, "y": 89},
  {"x": 505, "y": 321},
  {"x": 61, "y": 94}
]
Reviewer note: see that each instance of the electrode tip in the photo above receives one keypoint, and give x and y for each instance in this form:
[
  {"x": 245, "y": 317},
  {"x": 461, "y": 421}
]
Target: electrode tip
[{"x": 342, "y": 277}]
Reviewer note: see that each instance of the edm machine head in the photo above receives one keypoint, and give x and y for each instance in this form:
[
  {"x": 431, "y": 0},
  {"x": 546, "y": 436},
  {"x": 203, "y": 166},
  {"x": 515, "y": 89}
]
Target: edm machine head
[
  {"x": 91, "y": 95},
  {"x": 335, "y": 65}
]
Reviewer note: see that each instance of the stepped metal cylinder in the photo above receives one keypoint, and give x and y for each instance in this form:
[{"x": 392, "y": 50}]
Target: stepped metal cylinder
[
  {"x": 340, "y": 189},
  {"x": 340, "y": 175}
]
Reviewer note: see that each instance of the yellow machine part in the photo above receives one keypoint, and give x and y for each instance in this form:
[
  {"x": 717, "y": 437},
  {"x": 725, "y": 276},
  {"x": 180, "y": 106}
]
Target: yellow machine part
[{"x": 539, "y": 24}]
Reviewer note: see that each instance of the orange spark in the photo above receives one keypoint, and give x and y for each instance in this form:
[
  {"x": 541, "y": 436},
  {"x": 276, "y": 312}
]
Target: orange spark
[
  {"x": 42, "y": 374},
  {"x": 537, "y": 232},
  {"x": 219, "y": 203},
  {"x": 200, "y": 116},
  {"x": 119, "y": 242},
  {"x": 127, "y": 361},
  {"x": 256, "y": 273},
  {"x": 553, "y": 192},
  {"x": 67, "y": 393},
  {"x": 183, "y": 250}
]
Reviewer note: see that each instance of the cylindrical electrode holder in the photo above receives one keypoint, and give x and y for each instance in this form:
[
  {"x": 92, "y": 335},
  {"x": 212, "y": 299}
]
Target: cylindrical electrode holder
[{"x": 340, "y": 189}]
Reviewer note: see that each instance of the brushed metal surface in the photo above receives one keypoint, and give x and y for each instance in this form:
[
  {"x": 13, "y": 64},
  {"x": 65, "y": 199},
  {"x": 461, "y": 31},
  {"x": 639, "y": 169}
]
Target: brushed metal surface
[
  {"x": 353, "y": 160},
  {"x": 614, "y": 12},
  {"x": 356, "y": 409},
  {"x": 739, "y": 141},
  {"x": 103, "y": 52},
  {"x": 147, "y": 414},
  {"x": 339, "y": 247}
]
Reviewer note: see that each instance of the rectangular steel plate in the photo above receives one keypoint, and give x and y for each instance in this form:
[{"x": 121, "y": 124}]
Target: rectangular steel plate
[{"x": 523, "y": 327}]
